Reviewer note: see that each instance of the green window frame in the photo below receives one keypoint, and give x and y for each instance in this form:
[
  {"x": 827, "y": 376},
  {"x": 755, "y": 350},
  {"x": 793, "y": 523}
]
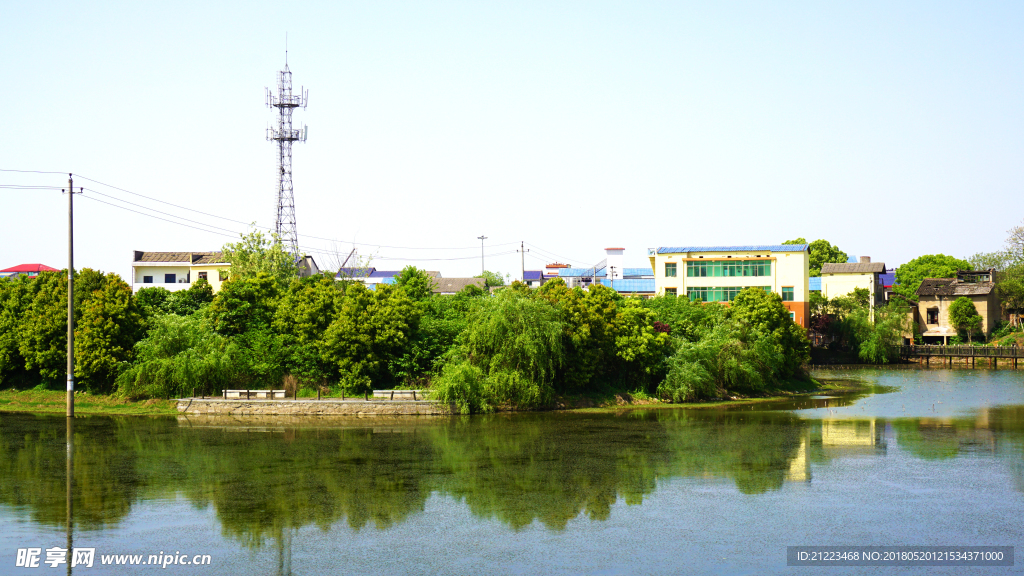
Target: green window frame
[
  {"x": 719, "y": 293},
  {"x": 670, "y": 269},
  {"x": 724, "y": 268},
  {"x": 787, "y": 294}
]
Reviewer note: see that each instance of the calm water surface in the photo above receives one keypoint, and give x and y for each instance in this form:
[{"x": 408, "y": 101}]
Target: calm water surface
[{"x": 921, "y": 457}]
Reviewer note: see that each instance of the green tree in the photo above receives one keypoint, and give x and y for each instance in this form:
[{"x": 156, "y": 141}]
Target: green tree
[
  {"x": 910, "y": 275},
  {"x": 303, "y": 315},
  {"x": 153, "y": 300},
  {"x": 821, "y": 252},
  {"x": 964, "y": 317},
  {"x": 256, "y": 253},
  {"x": 492, "y": 278},
  {"x": 185, "y": 302},
  {"x": 877, "y": 333},
  {"x": 766, "y": 315},
  {"x": 43, "y": 330},
  {"x": 244, "y": 303},
  {"x": 369, "y": 328},
  {"x": 509, "y": 355},
  {"x": 179, "y": 354},
  {"x": 441, "y": 322},
  {"x": 105, "y": 336},
  {"x": 16, "y": 295},
  {"x": 416, "y": 283}
]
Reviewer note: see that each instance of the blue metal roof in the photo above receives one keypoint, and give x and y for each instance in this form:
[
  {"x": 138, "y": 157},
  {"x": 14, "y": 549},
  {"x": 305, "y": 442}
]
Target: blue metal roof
[
  {"x": 751, "y": 248},
  {"x": 533, "y": 275},
  {"x": 888, "y": 279},
  {"x": 631, "y": 286},
  {"x": 630, "y": 272},
  {"x": 385, "y": 273},
  {"x": 577, "y": 272},
  {"x": 814, "y": 283},
  {"x": 355, "y": 272},
  {"x": 853, "y": 260}
]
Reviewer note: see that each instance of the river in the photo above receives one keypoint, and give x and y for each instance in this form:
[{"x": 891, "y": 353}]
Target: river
[{"x": 917, "y": 457}]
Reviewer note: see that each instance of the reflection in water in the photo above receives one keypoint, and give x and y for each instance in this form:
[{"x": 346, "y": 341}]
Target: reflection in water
[{"x": 267, "y": 477}]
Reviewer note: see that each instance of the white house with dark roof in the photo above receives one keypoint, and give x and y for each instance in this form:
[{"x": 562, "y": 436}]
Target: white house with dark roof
[
  {"x": 842, "y": 279},
  {"x": 177, "y": 270}
]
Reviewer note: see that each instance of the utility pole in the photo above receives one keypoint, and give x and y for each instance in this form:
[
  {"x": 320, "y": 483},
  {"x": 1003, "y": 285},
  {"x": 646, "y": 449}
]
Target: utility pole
[
  {"x": 71, "y": 297},
  {"x": 612, "y": 268},
  {"x": 481, "y": 238},
  {"x": 522, "y": 258}
]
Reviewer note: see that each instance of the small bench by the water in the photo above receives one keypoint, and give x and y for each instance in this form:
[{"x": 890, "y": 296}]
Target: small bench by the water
[
  {"x": 399, "y": 394},
  {"x": 256, "y": 394}
]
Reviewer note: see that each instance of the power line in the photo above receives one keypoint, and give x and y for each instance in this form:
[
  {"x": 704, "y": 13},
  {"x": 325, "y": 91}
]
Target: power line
[
  {"x": 157, "y": 217},
  {"x": 32, "y": 171}
]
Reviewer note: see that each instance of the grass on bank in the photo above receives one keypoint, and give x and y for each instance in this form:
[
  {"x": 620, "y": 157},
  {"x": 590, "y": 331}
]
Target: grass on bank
[
  {"x": 55, "y": 402},
  {"x": 611, "y": 401}
]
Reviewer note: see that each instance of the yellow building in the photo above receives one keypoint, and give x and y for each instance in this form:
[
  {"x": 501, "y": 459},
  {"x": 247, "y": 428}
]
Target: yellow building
[
  {"x": 177, "y": 270},
  {"x": 718, "y": 273},
  {"x": 842, "y": 279}
]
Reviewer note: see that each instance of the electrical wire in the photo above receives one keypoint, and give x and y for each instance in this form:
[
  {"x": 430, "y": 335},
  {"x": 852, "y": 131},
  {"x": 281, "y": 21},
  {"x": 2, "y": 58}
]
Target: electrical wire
[
  {"x": 157, "y": 217},
  {"x": 32, "y": 171},
  {"x": 212, "y": 229}
]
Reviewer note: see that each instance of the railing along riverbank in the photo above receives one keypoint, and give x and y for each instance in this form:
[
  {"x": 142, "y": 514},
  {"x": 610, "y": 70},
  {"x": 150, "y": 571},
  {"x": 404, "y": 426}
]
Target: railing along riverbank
[{"x": 947, "y": 354}]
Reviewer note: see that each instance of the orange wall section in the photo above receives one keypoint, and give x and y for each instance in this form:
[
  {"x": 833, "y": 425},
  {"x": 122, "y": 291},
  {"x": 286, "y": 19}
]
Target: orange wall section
[{"x": 802, "y": 312}]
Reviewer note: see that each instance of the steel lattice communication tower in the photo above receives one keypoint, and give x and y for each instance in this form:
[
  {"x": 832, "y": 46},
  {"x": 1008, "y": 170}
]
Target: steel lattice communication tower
[{"x": 284, "y": 135}]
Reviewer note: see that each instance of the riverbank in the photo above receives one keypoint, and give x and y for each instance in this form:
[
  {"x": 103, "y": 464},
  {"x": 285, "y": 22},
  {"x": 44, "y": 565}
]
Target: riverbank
[{"x": 55, "y": 402}]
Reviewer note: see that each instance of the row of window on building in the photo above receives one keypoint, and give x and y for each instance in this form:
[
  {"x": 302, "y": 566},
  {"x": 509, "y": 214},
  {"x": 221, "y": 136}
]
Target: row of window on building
[
  {"x": 173, "y": 278},
  {"x": 720, "y": 268},
  {"x": 726, "y": 293}
]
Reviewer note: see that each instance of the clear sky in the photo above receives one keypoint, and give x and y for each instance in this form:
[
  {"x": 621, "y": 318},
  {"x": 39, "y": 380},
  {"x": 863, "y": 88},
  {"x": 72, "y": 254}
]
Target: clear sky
[{"x": 893, "y": 129}]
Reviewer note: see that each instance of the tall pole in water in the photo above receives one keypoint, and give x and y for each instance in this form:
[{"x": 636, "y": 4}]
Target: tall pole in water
[{"x": 71, "y": 298}]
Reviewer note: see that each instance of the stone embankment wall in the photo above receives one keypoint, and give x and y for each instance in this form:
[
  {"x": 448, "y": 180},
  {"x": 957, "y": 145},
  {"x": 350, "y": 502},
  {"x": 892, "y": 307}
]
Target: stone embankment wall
[{"x": 327, "y": 406}]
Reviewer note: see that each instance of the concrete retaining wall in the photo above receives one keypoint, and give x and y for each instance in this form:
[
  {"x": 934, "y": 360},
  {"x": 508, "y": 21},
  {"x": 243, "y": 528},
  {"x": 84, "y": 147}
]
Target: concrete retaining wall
[{"x": 301, "y": 406}]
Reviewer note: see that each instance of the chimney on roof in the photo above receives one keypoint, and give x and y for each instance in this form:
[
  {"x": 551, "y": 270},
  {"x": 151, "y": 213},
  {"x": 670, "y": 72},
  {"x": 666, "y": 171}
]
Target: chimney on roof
[{"x": 865, "y": 259}]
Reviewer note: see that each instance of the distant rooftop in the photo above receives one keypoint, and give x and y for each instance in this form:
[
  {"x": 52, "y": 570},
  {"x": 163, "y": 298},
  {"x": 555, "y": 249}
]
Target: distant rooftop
[
  {"x": 194, "y": 258},
  {"x": 853, "y": 268},
  {"x": 750, "y": 248},
  {"x": 26, "y": 268}
]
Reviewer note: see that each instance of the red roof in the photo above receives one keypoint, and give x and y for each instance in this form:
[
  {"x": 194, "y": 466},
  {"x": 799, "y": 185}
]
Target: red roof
[{"x": 30, "y": 268}]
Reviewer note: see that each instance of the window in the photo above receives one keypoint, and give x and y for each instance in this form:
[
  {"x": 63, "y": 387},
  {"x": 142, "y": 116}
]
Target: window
[
  {"x": 787, "y": 293},
  {"x": 169, "y": 279},
  {"x": 670, "y": 270},
  {"x": 726, "y": 268},
  {"x": 719, "y": 293},
  {"x": 933, "y": 316},
  {"x": 670, "y": 291},
  {"x": 147, "y": 279},
  {"x": 792, "y": 316},
  {"x": 202, "y": 275}
]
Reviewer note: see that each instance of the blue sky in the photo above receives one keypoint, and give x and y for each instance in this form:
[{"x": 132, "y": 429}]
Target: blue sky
[{"x": 891, "y": 129}]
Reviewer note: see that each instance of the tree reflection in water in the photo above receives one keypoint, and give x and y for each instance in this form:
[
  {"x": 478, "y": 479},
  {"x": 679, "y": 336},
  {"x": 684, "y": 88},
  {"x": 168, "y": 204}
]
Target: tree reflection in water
[{"x": 265, "y": 478}]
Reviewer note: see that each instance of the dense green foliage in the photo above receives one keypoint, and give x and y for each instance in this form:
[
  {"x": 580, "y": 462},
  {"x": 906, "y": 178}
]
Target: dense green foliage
[
  {"x": 33, "y": 339},
  {"x": 1009, "y": 264},
  {"x": 517, "y": 348},
  {"x": 255, "y": 253},
  {"x": 822, "y": 252},
  {"x": 750, "y": 345},
  {"x": 964, "y": 317},
  {"x": 851, "y": 323},
  {"x": 910, "y": 274}
]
